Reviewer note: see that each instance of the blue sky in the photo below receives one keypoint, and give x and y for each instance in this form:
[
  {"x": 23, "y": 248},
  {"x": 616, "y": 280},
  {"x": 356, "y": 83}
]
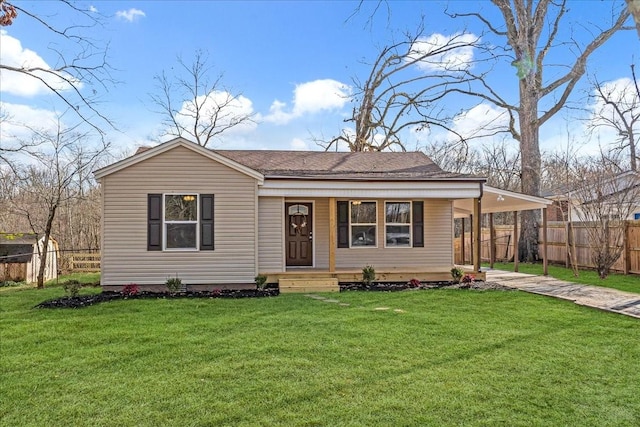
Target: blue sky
[{"x": 293, "y": 61}]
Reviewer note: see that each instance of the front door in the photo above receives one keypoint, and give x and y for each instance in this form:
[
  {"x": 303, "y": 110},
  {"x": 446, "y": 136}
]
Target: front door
[{"x": 299, "y": 234}]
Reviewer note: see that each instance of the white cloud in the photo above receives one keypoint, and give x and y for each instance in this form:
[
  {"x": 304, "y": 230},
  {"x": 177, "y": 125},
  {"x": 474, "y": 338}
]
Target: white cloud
[
  {"x": 21, "y": 84},
  {"x": 309, "y": 98},
  {"x": 93, "y": 9},
  {"x": 231, "y": 108},
  {"x": 445, "y": 52},
  {"x": 299, "y": 145},
  {"x": 19, "y": 118},
  {"x": 130, "y": 15},
  {"x": 483, "y": 119}
]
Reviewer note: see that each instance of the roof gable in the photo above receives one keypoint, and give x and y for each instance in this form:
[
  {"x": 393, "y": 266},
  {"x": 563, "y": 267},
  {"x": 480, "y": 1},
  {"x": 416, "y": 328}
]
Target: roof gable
[{"x": 143, "y": 155}]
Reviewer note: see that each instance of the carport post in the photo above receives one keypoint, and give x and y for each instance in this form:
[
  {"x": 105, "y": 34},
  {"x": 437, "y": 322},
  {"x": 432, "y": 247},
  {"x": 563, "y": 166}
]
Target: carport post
[
  {"x": 516, "y": 256},
  {"x": 492, "y": 241},
  {"x": 545, "y": 261},
  {"x": 477, "y": 222}
]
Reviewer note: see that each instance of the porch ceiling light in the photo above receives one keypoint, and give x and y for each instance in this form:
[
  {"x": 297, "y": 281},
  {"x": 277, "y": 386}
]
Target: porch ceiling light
[{"x": 500, "y": 198}]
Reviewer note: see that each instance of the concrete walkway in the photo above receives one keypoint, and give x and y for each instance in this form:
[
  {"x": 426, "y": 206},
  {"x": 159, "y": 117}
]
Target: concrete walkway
[{"x": 608, "y": 299}]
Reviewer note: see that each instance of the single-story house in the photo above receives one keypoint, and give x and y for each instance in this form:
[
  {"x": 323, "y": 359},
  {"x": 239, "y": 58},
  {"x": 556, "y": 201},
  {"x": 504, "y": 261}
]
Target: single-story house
[
  {"x": 219, "y": 218},
  {"x": 20, "y": 257},
  {"x": 620, "y": 190}
]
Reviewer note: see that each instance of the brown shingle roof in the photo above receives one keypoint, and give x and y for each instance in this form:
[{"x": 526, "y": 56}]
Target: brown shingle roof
[{"x": 341, "y": 165}]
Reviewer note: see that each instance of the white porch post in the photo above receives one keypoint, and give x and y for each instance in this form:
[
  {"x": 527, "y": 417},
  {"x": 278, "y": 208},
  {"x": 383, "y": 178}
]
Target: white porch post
[{"x": 333, "y": 238}]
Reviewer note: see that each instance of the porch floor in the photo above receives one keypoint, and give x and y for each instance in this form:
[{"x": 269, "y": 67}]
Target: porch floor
[{"x": 321, "y": 280}]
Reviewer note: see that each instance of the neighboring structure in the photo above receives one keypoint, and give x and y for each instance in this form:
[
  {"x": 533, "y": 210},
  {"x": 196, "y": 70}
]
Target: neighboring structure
[
  {"x": 219, "y": 218},
  {"x": 20, "y": 257},
  {"x": 568, "y": 200}
]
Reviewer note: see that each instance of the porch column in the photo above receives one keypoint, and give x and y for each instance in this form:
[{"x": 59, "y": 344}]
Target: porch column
[
  {"x": 492, "y": 241},
  {"x": 516, "y": 255},
  {"x": 477, "y": 234},
  {"x": 462, "y": 249},
  {"x": 471, "y": 235},
  {"x": 333, "y": 238},
  {"x": 545, "y": 261}
]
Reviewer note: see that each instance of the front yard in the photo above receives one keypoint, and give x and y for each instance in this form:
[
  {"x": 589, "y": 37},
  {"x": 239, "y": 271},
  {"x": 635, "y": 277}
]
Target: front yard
[{"x": 440, "y": 357}]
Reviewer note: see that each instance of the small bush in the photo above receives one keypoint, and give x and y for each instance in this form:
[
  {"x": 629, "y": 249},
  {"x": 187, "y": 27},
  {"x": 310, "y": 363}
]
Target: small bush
[
  {"x": 72, "y": 287},
  {"x": 174, "y": 283},
  {"x": 468, "y": 279},
  {"x": 456, "y": 274},
  {"x": 130, "y": 289},
  {"x": 368, "y": 274},
  {"x": 414, "y": 283},
  {"x": 261, "y": 281},
  {"x": 10, "y": 283}
]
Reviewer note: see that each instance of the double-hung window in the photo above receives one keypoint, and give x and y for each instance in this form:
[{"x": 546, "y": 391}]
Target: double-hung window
[
  {"x": 363, "y": 223},
  {"x": 181, "y": 221},
  {"x": 397, "y": 224}
]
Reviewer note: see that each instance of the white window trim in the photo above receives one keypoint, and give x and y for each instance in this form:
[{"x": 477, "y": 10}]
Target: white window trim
[
  {"x": 165, "y": 222},
  {"x": 410, "y": 224},
  {"x": 362, "y": 224}
]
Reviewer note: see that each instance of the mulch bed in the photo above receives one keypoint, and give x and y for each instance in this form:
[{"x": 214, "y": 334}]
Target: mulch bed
[
  {"x": 401, "y": 286},
  {"x": 87, "y": 300}
]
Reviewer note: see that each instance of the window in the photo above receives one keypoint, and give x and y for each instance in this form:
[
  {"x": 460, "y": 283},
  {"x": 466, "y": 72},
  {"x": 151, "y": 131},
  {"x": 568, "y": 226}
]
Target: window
[
  {"x": 398, "y": 224},
  {"x": 181, "y": 221},
  {"x": 363, "y": 217}
]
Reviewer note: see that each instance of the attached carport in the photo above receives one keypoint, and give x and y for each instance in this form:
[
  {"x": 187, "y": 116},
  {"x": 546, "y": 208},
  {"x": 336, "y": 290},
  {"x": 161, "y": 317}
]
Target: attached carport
[{"x": 494, "y": 200}]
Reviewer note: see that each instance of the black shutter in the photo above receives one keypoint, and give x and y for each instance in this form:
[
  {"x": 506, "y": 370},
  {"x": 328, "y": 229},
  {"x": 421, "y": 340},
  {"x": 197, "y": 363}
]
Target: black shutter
[
  {"x": 343, "y": 224},
  {"x": 206, "y": 222},
  {"x": 418, "y": 224},
  {"x": 154, "y": 222}
]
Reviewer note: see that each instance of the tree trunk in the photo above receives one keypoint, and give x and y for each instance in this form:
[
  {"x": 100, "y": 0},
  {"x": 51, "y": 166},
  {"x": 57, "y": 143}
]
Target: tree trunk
[
  {"x": 45, "y": 248},
  {"x": 530, "y": 158}
]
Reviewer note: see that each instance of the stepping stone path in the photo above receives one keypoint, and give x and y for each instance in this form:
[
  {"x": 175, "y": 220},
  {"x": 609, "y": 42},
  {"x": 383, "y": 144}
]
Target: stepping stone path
[
  {"x": 627, "y": 303},
  {"x": 344, "y": 304}
]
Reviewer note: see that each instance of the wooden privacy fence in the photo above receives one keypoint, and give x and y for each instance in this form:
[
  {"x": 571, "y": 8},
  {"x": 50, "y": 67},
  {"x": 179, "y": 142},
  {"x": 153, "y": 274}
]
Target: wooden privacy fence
[
  {"x": 560, "y": 236},
  {"x": 84, "y": 262}
]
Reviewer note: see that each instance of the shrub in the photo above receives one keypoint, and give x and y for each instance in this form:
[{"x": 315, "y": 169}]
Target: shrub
[
  {"x": 414, "y": 283},
  {"x": 261, "y": 281},
  {"x": 174, "y": 283},
  {"x": 368, "y": 274},
  {"x": 72, "y": 287},
  {"x": 468, "y": 279},
  {"x": 456, "y": 274},
  {"x": 10, "y": 283},
  {"x": 130, "y": 289}
]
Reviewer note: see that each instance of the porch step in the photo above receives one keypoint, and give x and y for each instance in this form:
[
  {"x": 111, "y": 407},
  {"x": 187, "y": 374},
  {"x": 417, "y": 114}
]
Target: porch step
[{"x": 328, "y": 284}]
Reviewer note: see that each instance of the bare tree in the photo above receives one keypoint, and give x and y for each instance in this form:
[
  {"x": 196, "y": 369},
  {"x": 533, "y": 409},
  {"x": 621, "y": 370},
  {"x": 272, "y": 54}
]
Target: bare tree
[
  {"x": 634, "y": 9},
  {"x": 603, "y": 199},
  {"x": 618, "y": 108},
  {"x": 42, "y": 186},
  {"x": 401, "y": 93},
  {"x": 197, "y": 106},
  {"x": 530, "y": 31},
  {"x": 81, "y": 73}
]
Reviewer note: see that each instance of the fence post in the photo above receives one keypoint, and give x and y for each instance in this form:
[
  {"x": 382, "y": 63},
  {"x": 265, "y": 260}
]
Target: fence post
[{"x": 626, "y": 248}]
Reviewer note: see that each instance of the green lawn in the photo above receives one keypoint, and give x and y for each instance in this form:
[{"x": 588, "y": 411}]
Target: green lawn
[
  {"x": 629, "y": 283},
  {"x": 449, "y": 357}
]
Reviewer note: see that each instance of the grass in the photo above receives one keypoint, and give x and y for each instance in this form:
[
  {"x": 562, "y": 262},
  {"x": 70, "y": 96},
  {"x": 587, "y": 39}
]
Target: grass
[
  {"x": 85, "y": 278},
  {"x": 449, "y": 358},
  {"x": 629, "y": 283}
]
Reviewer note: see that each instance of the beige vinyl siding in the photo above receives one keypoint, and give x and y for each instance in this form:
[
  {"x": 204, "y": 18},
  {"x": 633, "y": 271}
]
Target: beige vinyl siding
[
  {"x": 271, "y": 234},
  {"x": 438, "y": 250},
  {"x": 125, "y": 258}
]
